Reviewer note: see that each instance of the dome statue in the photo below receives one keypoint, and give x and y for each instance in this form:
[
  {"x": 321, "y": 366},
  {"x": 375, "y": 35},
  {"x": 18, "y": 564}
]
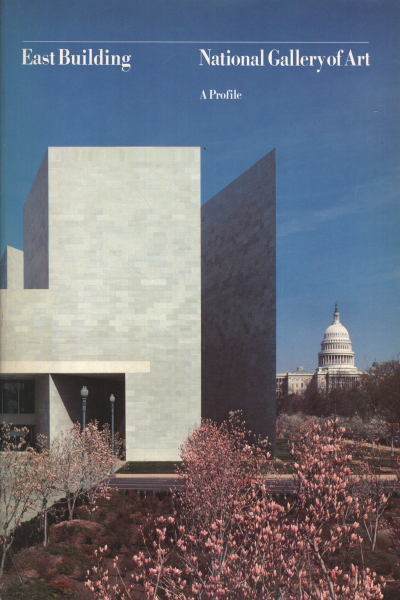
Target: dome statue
[{"x": 336, "y": 354}]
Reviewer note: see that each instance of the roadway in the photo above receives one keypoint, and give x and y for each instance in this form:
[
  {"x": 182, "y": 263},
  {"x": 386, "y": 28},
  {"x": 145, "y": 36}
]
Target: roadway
[
  {"x": 156, "y": 483},
  {"x": 278, "y": 484}
]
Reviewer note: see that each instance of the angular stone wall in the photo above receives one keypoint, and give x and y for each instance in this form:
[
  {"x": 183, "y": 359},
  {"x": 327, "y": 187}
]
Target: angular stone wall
[
  {"x": 36, "y": 232},
  {"x": 239, "y": 300}
]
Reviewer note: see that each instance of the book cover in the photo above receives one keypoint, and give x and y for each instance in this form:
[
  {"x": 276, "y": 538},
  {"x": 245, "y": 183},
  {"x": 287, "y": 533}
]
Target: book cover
[{"x": 118, "y": 118}]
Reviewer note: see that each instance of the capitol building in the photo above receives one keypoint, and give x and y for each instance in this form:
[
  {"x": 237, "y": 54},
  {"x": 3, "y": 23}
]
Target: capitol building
[{"x": 336, "y": 366}]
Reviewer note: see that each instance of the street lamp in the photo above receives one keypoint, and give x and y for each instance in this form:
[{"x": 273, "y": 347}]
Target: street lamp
[
  {"x": 112, "y": 400},
  {"x": 84, "y": 395}
]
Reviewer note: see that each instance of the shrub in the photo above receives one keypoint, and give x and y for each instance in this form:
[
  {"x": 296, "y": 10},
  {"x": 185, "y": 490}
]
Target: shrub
[{"x": 34, "y": 589}]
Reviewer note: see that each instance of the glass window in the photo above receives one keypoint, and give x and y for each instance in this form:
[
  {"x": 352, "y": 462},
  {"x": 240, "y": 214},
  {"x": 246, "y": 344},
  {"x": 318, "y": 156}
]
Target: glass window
[{"x": 17, "y": 396}]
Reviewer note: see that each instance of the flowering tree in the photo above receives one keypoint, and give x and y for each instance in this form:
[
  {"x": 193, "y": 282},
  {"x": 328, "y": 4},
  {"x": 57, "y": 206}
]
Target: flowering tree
[
  {"x": 373, "y": 493},
  {"x": 100, "y": 458},
  {"x": 76, "y": 463},
  {"x": 370, "y": 430},
  {"x": 208, "y": 552},
  {"x": 219, "y": 468},
  {"x": 82, "y": 460},
  {"x": 17, "y": 486},
  {"x": 295, "y": 424},
  {"x": 330, "y": 514},
  {"x": 365, "y": 482},
  {"x": 230, "y": 539},
  {"x": 44, "y": 464},
  {"x": 373, "y": 490}
]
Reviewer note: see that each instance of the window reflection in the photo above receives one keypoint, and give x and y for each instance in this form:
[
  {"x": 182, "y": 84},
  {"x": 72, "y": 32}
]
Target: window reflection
[{"x": 17, "y": 396}]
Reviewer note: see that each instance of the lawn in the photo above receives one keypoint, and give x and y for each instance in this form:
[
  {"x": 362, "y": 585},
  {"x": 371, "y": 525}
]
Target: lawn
[{"x": 283, "y": 450}]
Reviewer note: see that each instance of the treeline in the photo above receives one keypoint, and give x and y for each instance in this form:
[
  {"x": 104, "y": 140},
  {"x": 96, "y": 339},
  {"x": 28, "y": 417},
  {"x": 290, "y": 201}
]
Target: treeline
[{"x": 377, "y": 395}]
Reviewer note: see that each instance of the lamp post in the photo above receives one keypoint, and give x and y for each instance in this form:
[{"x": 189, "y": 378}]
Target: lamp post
[
  {"x": 84, "y": 395},
  {"x": 112, "y": 400}
]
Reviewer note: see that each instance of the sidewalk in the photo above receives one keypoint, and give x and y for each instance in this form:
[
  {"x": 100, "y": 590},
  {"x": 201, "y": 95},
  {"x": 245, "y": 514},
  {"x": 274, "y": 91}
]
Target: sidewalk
[
  {"x": 386, "y": 476},
  {"x": 146, "y": 475}
]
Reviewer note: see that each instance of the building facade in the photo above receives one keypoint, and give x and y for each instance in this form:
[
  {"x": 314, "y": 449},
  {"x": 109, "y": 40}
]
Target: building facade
[
  {"x": 111, "y": 297},
  {"x": 238, "y": 300},
  {"x": 296, "y": 382},
  {"x": 107, "y": 295},
  {"x": 336, "y": 366}
]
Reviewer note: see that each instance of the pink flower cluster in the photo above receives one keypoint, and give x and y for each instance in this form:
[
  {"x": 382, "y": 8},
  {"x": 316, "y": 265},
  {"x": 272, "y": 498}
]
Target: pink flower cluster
[{"x": 229, "y": 538}]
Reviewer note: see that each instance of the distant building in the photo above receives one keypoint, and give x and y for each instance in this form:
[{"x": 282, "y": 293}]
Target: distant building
[
  {"x": 336, "y": 368},
  {"x": 296, "y": 382}
]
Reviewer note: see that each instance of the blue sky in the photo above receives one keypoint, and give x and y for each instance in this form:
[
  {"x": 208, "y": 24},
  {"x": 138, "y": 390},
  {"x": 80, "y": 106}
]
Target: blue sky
[{"x": 336, "y": 133}]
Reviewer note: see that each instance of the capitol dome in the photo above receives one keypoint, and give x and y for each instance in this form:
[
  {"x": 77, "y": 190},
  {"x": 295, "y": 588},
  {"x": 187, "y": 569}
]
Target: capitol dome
[
  {"x": 337, "y": 330},
  {"x": 336, "y": 349},
  {"x": 336, "y": 368}
]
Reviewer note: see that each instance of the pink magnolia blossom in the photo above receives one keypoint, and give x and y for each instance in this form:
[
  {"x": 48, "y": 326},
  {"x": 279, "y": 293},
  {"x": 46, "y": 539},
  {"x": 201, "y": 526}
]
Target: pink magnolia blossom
[{"x": 231, "y": 539}]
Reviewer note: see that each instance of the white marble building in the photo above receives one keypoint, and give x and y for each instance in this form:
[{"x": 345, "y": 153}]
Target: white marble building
[
  {"x": 336, "y": 366},
  {"x": 295, "y": 382},
  {"x": 110, "y": 299}
]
